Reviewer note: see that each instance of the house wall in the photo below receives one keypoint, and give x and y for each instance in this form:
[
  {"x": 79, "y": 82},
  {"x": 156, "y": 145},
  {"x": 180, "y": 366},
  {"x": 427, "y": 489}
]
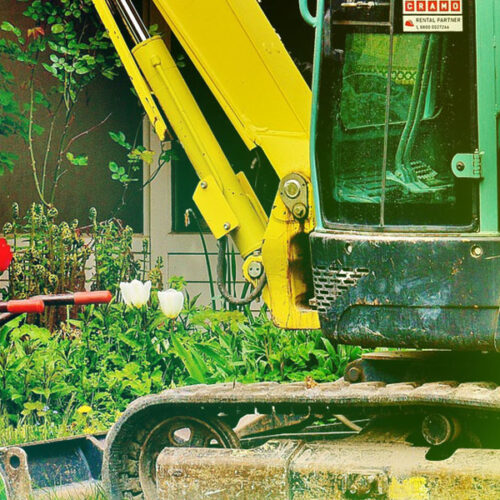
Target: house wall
[{"x": 82, "y": 187}]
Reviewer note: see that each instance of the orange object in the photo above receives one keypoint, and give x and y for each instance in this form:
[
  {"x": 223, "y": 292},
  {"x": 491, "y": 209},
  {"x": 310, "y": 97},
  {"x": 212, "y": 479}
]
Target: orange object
[
  {"x": 98, "y": 297},
  {"x": 25, "y": 306}
]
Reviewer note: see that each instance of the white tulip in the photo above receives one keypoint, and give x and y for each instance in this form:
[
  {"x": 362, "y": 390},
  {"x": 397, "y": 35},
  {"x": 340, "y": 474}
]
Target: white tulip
[
  {"x": 171, "y": 302},
  {"x": 136, "y": 293}
]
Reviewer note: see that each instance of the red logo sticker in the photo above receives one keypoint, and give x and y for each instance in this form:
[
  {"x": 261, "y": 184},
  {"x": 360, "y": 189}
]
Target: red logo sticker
[{"x": 409, "y": 24}]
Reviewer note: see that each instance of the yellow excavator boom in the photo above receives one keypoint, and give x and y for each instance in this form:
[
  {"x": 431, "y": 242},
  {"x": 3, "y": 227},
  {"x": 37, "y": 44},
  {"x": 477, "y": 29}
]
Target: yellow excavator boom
[{"x": 249, "y": 71}]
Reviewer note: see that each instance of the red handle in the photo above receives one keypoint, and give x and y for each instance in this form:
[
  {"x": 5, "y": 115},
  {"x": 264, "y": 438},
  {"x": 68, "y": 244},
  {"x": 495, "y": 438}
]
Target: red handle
[
  {"x": 25, "y": 306},
  {"x": 99, "y": 297}
]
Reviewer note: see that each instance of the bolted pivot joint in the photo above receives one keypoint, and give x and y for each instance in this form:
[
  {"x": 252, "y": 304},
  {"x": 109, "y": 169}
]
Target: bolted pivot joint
[
  {"x": 293, "y": 192},
  {"x": 299, "y": 211},
  {"x": 253, "y": 268},
  {"x": 291, "y": 188}
]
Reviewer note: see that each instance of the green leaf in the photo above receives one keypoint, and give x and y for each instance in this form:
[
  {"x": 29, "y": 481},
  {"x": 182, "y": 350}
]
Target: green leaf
[
  {"x": 6, "y": 26},
  {"x": 7, "y": 161},
  {"x": 153, "y": 30},
  {"x": 119, "y": 138},
  {"x": 143, "y": 154},
  {"x": 82, "y": 70},
  {"x": 109, "y": 73},
  {"x": 192, "y": 366},
  {"x": 41, "y": 99},
  {"x": 57, "y": 28},
  {"x": 50, "y": 69},
  {"x": 78, "y": 161},
  {"x": 129, "y": 341},
  {"x": 212, "y": 353},
  {"x": 37, "y": 129},
  {"x": 31, "y": 406}
]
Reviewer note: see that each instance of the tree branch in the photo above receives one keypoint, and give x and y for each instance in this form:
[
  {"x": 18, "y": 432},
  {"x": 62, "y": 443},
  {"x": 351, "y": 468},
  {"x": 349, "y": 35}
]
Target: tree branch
[
  {"x": 30, "y": 136},
  {"x": 49, "y": 142},
  {"x": 85, "y": 132}
]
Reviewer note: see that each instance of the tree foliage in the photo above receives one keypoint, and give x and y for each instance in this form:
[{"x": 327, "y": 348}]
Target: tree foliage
[{"x": 62, "y": 52}]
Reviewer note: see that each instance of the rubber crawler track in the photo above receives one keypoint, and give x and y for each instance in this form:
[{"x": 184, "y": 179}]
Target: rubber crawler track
[{"x": 120, "y": 470}]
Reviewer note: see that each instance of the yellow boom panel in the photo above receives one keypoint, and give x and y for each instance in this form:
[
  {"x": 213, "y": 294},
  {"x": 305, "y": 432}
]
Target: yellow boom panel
[
  {"x": 246, "y": 66},
  {"x": 219, "y": 195}
]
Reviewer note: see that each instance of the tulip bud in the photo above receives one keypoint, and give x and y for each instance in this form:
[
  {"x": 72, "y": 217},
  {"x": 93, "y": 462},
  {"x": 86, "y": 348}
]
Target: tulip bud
[
  {"x": 171, "y": 302},
  {"x": 136, "y": 293}
]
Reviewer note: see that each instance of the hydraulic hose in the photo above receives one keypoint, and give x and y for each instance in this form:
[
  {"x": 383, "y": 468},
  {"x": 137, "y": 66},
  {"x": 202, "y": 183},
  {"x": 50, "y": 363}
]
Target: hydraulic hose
[{"x": 221, "y": 279}]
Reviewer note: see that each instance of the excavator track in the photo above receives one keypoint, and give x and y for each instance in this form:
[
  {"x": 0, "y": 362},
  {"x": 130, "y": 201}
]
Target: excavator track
[{"x": 211, "y": 411}]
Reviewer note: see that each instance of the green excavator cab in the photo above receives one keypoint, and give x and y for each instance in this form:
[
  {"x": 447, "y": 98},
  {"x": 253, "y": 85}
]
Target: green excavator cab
[{"x": 406, "y": 182}]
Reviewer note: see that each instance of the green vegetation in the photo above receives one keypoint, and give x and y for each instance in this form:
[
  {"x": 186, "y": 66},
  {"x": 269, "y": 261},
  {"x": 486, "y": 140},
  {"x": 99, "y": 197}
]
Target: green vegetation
[
  {"x": 75, "y": 371},
  {"x": 82, "y": 376},
  {"x": 62, "y": 53},
  {"x": 52, "y": 257}
]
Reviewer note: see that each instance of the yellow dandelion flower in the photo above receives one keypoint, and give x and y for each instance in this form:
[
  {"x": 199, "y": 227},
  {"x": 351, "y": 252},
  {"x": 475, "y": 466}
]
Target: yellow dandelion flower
[{"x": 84, "y": 410}]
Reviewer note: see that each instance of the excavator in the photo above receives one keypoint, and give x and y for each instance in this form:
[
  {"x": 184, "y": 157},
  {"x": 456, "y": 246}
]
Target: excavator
[{"x": 384, "y": 233}]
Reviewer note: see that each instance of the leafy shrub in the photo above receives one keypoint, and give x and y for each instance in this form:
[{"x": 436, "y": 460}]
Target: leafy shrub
[
  {"x": 111, "y": 245},
  {"x": 224, "y": 346},
  {"x": 48, "y": 257}
]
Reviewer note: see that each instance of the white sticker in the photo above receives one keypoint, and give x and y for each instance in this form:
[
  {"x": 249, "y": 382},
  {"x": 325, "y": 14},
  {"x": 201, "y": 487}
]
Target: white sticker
[{"x": 432, "y": 15}]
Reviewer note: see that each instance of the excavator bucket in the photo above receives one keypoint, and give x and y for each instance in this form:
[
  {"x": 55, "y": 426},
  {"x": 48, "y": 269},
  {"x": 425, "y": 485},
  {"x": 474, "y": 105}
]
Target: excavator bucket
[{"x": 61, "y": 468}]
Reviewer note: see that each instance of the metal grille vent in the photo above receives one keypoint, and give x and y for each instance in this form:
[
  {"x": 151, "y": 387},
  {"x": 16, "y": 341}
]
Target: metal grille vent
[{"x": 331, "y": 282}]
